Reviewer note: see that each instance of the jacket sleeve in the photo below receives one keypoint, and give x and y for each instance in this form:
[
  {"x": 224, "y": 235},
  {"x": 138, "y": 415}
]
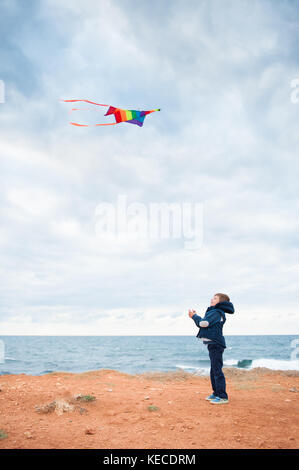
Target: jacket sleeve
[
  {"x": 197, "y": 319},
  {"x": 209, "y": 319}
]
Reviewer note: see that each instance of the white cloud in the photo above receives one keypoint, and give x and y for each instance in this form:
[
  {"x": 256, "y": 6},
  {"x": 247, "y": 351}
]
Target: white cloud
[{"x": 227, "y": 136}]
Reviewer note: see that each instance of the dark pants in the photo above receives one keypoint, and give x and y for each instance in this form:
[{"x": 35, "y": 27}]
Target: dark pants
[{"x": 216, "y": 374}]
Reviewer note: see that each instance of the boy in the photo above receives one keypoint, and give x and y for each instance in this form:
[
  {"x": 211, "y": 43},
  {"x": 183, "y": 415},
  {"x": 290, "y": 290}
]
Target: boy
[{"x": 210, "y": 331}]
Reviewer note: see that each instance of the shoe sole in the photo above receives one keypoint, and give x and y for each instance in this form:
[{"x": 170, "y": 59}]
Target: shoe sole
[{"x": 219, "y": 402}]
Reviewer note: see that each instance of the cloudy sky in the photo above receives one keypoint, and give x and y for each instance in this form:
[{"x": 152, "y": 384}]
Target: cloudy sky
[{"x": 226, "y": 140}]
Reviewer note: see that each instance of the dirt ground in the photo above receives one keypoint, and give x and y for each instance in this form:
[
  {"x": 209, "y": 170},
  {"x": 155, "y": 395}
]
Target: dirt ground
[{"x": 107, "y": 409}]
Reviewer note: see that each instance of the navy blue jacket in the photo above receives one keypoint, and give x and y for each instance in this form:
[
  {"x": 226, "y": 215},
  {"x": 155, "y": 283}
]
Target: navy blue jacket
[{"x": 216, "y": 317}]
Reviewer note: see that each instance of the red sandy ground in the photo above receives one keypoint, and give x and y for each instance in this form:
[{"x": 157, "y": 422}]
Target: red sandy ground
[{"x": 263, "y": 411}]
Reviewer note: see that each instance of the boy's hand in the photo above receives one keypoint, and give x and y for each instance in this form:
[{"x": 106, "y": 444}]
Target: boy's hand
[{"x": 191, "y": 313}]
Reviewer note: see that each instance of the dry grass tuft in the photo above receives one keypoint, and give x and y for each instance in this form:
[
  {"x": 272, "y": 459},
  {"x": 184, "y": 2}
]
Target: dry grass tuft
[{"x": 61, "y": 406}]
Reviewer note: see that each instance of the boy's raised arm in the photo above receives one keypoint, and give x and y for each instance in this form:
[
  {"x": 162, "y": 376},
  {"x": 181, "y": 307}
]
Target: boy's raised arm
[{"x": 209, "y": 319}]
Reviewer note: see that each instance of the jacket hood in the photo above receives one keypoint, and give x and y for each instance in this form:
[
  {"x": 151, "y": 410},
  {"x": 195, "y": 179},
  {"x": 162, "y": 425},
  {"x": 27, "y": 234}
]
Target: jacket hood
[{"x": 227, "y": 307}]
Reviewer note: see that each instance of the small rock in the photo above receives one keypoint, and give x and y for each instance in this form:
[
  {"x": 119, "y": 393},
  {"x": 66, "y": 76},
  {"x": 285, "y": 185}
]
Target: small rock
[
  {"x": 109, "y": 390},
  {"x": 78, "y": 396},
  {"x": 293, "y": 389},
  {"x": 28, "y": 435},
  {"x": 169, "y": 402},
  {"x": 146, "y": 398},
  {"x": 89, "y": 431},
  {"x": 287, "y": 400}
]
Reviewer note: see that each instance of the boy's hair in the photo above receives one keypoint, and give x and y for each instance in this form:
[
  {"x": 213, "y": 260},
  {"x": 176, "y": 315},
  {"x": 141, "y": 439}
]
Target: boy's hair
[{"x": 223, "y": 297}]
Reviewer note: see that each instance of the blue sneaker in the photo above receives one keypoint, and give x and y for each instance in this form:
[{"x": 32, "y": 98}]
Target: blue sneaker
[
  {"x": 219, "y": 401},
  {"x": 211, "y": 397}
]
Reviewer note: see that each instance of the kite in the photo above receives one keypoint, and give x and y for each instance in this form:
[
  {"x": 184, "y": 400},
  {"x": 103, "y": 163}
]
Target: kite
[{"x": 130, "y": 116}]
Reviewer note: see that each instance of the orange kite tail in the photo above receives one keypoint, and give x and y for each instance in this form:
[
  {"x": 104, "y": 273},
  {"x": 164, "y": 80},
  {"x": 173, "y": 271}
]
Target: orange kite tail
[
  {"x": 92, "y": 125},
  {"x": 86, "y": 101}
]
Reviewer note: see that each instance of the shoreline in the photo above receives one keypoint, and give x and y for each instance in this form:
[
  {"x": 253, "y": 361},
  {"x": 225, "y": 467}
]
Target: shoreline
[
  {"x": 165, "y": 410},
  {"x": 228, "y": 371}
]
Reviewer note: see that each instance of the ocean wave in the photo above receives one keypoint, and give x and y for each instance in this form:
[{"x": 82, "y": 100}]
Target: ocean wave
[
  {"x": 242, "y": 364},
  {"x": 269, "y": 363},
  {"x": 195, "y": 369},
  {"x": 245, "y": 364},
  {"x": 8, "y": 360},
  {"x": 275, "y": 364},
  {"x": 186, "y": 366}
]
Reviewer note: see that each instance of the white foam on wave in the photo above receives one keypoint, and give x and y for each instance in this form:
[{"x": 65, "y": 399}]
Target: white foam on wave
[
  {"x": 197, "y": 370},
  {"x": 185, "y": 366},
  {"x": 275, "y": 364},
  {"x": 231, "y": 362}
]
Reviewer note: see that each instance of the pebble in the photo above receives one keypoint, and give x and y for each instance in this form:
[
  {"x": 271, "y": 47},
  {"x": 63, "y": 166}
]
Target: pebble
[
  {"x": 293, "y": 389},
  {"x": 89, "y": 431}
]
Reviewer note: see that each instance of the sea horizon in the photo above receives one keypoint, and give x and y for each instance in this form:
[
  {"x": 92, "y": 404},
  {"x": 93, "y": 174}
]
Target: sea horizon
[{"x": 40, "y": 354}]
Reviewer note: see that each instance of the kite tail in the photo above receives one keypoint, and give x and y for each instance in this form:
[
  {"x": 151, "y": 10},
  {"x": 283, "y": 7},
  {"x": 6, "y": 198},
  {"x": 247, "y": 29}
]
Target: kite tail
[
  {"x": 86, "y": 101},
  {"x": 78, "y": 109},
  {"x": 92, "y": 125}
]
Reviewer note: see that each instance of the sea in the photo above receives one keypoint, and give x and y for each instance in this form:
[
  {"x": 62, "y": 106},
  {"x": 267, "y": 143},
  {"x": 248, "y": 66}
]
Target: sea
[{"x": 37, "y": 355}]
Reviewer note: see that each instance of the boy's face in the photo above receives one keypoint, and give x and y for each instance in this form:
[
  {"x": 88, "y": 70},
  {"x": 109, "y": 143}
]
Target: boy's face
[{"x": 215, "y": 300}]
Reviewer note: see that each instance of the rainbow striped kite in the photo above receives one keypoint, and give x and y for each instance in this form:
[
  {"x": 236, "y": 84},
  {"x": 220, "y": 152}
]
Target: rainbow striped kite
[{"x": 121, "y": 115}]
